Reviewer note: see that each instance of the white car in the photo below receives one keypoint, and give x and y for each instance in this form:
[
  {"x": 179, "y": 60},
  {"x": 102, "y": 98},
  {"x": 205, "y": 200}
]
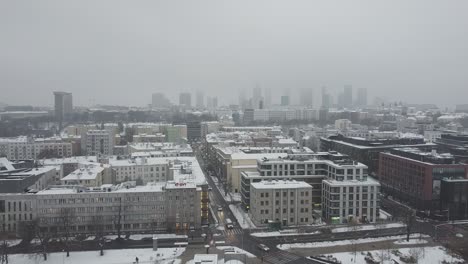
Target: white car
[
  {"x": 220, "y": 208},
  {"x": 263, "y": 247}
]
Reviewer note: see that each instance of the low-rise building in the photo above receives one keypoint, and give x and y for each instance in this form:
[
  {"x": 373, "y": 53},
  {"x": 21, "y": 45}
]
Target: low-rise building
[
  {"x": 21, "y": 180},
  {"x": 89, "y": 175},
  {"x": 132, "y": 209},
  {"x": 281, "y": 201}
]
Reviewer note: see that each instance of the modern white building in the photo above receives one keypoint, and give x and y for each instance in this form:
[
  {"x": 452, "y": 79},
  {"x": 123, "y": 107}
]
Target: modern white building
[
  {"x": 348, "y": 196},
  {"x": 281, "y": 201}
]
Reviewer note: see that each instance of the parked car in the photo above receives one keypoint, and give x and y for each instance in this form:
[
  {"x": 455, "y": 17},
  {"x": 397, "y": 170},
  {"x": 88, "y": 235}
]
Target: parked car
[{"x": 220, "y": 208}]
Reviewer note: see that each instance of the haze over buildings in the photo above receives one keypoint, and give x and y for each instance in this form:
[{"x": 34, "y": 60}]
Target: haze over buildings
[{"x": 224, "y": 47}]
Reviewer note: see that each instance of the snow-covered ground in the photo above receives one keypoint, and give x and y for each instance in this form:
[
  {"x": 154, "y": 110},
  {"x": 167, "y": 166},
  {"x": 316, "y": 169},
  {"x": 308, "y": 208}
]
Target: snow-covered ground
[
  {"x": 427, "y": 255},
  {"x": 120, "y": 256},
  {"x": 242, "y": 218},
  {"x": 284, "y": 233},
  {"x": 412, "y": 241},
  {"x": 366, "y": 227},
  {"x": 237, "y": 250},
  {"x": 345, "y": 242}
]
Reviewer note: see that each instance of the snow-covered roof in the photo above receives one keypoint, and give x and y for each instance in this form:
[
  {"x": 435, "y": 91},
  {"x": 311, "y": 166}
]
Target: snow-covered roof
[
  {"x": 280, "y": 184},
  {"x": 89, "y": 172}
]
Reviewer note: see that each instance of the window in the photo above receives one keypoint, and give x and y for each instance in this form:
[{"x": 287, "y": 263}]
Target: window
[{"x": 261, "y": 195}]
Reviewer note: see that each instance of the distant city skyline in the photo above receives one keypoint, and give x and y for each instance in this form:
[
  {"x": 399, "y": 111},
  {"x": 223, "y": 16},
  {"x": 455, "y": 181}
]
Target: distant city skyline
[{"x": 404, "y": 51}]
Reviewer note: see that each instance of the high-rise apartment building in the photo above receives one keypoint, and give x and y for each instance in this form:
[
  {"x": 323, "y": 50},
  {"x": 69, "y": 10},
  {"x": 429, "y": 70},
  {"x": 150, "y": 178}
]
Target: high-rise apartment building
[{"x": 284, "y": 100}]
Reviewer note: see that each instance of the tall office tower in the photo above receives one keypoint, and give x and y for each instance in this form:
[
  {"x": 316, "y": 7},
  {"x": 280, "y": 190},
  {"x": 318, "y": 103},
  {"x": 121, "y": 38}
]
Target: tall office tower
[
  {"x": 159, "y": 100},
  {"x": 185, "y": 99},
  {"x": 361, "y": 99},
  {"x": 306, "y": 97},
  {"x": 211, "y": 102},
  {"x": 242, "y": 100},
  {"x": 257, "y": 97},
  {"x": 284, "y": 100},
  {"x": 63, "y": 106},
  {"x": 267, "y": 99},
  {"x": 200, "y": 99},
  {"x": 348, "y": 96},
  {"x": 326, "y": 98},
  {"x": 193, "y": 131}
]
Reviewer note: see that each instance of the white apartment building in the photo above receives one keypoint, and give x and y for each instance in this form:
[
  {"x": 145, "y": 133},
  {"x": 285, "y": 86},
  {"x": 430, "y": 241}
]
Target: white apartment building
[
  {"x": 286, "y": 202},
  {"x": 23, "y": 148},
  {"x": 174, "y": 206},
  {"x": 97, "y": 142},
  {"x": 141, "y": 170},
  {"x": 342, "y": 124},
  {"x": 349, "y": 194}
]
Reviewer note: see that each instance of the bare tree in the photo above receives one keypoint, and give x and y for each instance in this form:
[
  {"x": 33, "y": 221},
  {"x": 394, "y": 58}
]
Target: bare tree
[
  {"x": 415, "y": 254},
  {"x": 97, "y": 222},
  {"x": 4, "y": 245},
  {"x": 33, "y": 229},
  {"x": 66, "y": 221},
  {"x": 409, "y": 223},
  {"x": 118, "y": 219}
]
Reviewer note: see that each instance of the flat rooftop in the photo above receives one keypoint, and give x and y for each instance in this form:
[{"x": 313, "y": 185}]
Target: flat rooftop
[{"x": 280, "y": 184}]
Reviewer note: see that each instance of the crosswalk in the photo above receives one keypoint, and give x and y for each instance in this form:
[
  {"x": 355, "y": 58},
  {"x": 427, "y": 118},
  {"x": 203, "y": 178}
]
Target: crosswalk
[
  {"x": 235, "y": 231},
  {"x": 280, "y": 257}
]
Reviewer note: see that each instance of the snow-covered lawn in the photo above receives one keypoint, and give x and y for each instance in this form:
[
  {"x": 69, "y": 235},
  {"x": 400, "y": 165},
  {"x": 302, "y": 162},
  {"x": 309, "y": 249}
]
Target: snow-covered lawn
[
  {"x": 366, "y": 227},
  {"x": 284, "y": 233},
  {"x": 427, "y": 255},
  {"x": 242, "y": 218},
  {"x": 237, "y": 250},
  {"x": 345, "y": 242},
  {"x": 120, "y": 256}
]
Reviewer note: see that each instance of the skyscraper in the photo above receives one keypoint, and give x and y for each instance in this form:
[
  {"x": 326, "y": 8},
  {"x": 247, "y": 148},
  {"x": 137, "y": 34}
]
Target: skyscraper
[
  {"x": 267, "y": 99},
  {"x": 63, "y": 106},
  {"x": 200, "y": 99},
  {"x": 159, "y": 100},
  {"x": 185, "y": 99},
  {"x": 256, "y": 97},
  {"x": 326, "y": 98},
  {"x": 306, "y": 97},
  {"x": 361, "y": 99},
  {"x": 347, "y": 96},
  {"x": 285, "y": 100}
]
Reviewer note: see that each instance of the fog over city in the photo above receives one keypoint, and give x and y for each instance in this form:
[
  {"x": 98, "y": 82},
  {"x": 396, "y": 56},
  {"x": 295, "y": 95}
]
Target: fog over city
[{"x": 120, "y": 52}]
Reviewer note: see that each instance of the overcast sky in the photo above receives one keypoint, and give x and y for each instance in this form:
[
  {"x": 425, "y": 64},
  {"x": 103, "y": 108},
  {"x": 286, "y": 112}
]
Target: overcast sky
[{"x": 119, "y": 52}]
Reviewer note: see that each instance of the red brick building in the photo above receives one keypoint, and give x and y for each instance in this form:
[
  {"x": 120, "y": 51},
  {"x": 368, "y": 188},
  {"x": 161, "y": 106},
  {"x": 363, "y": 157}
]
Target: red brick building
[{"x": 415, "y": 176}]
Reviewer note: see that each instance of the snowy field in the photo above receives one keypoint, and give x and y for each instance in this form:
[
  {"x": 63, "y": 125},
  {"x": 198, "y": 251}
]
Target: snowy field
[
  {"x": 242, "y": 218},
  {"x": 427, "y": 255},
  {"x": 121, "y": 256},
  {"x": 366, "y": 227},
  {"x": 284, "y": 233},
  {"x": 346, "y": 242}
]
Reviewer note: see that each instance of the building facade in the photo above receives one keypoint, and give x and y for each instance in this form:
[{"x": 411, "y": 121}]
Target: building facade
[{"x": 281, "y": 201}]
